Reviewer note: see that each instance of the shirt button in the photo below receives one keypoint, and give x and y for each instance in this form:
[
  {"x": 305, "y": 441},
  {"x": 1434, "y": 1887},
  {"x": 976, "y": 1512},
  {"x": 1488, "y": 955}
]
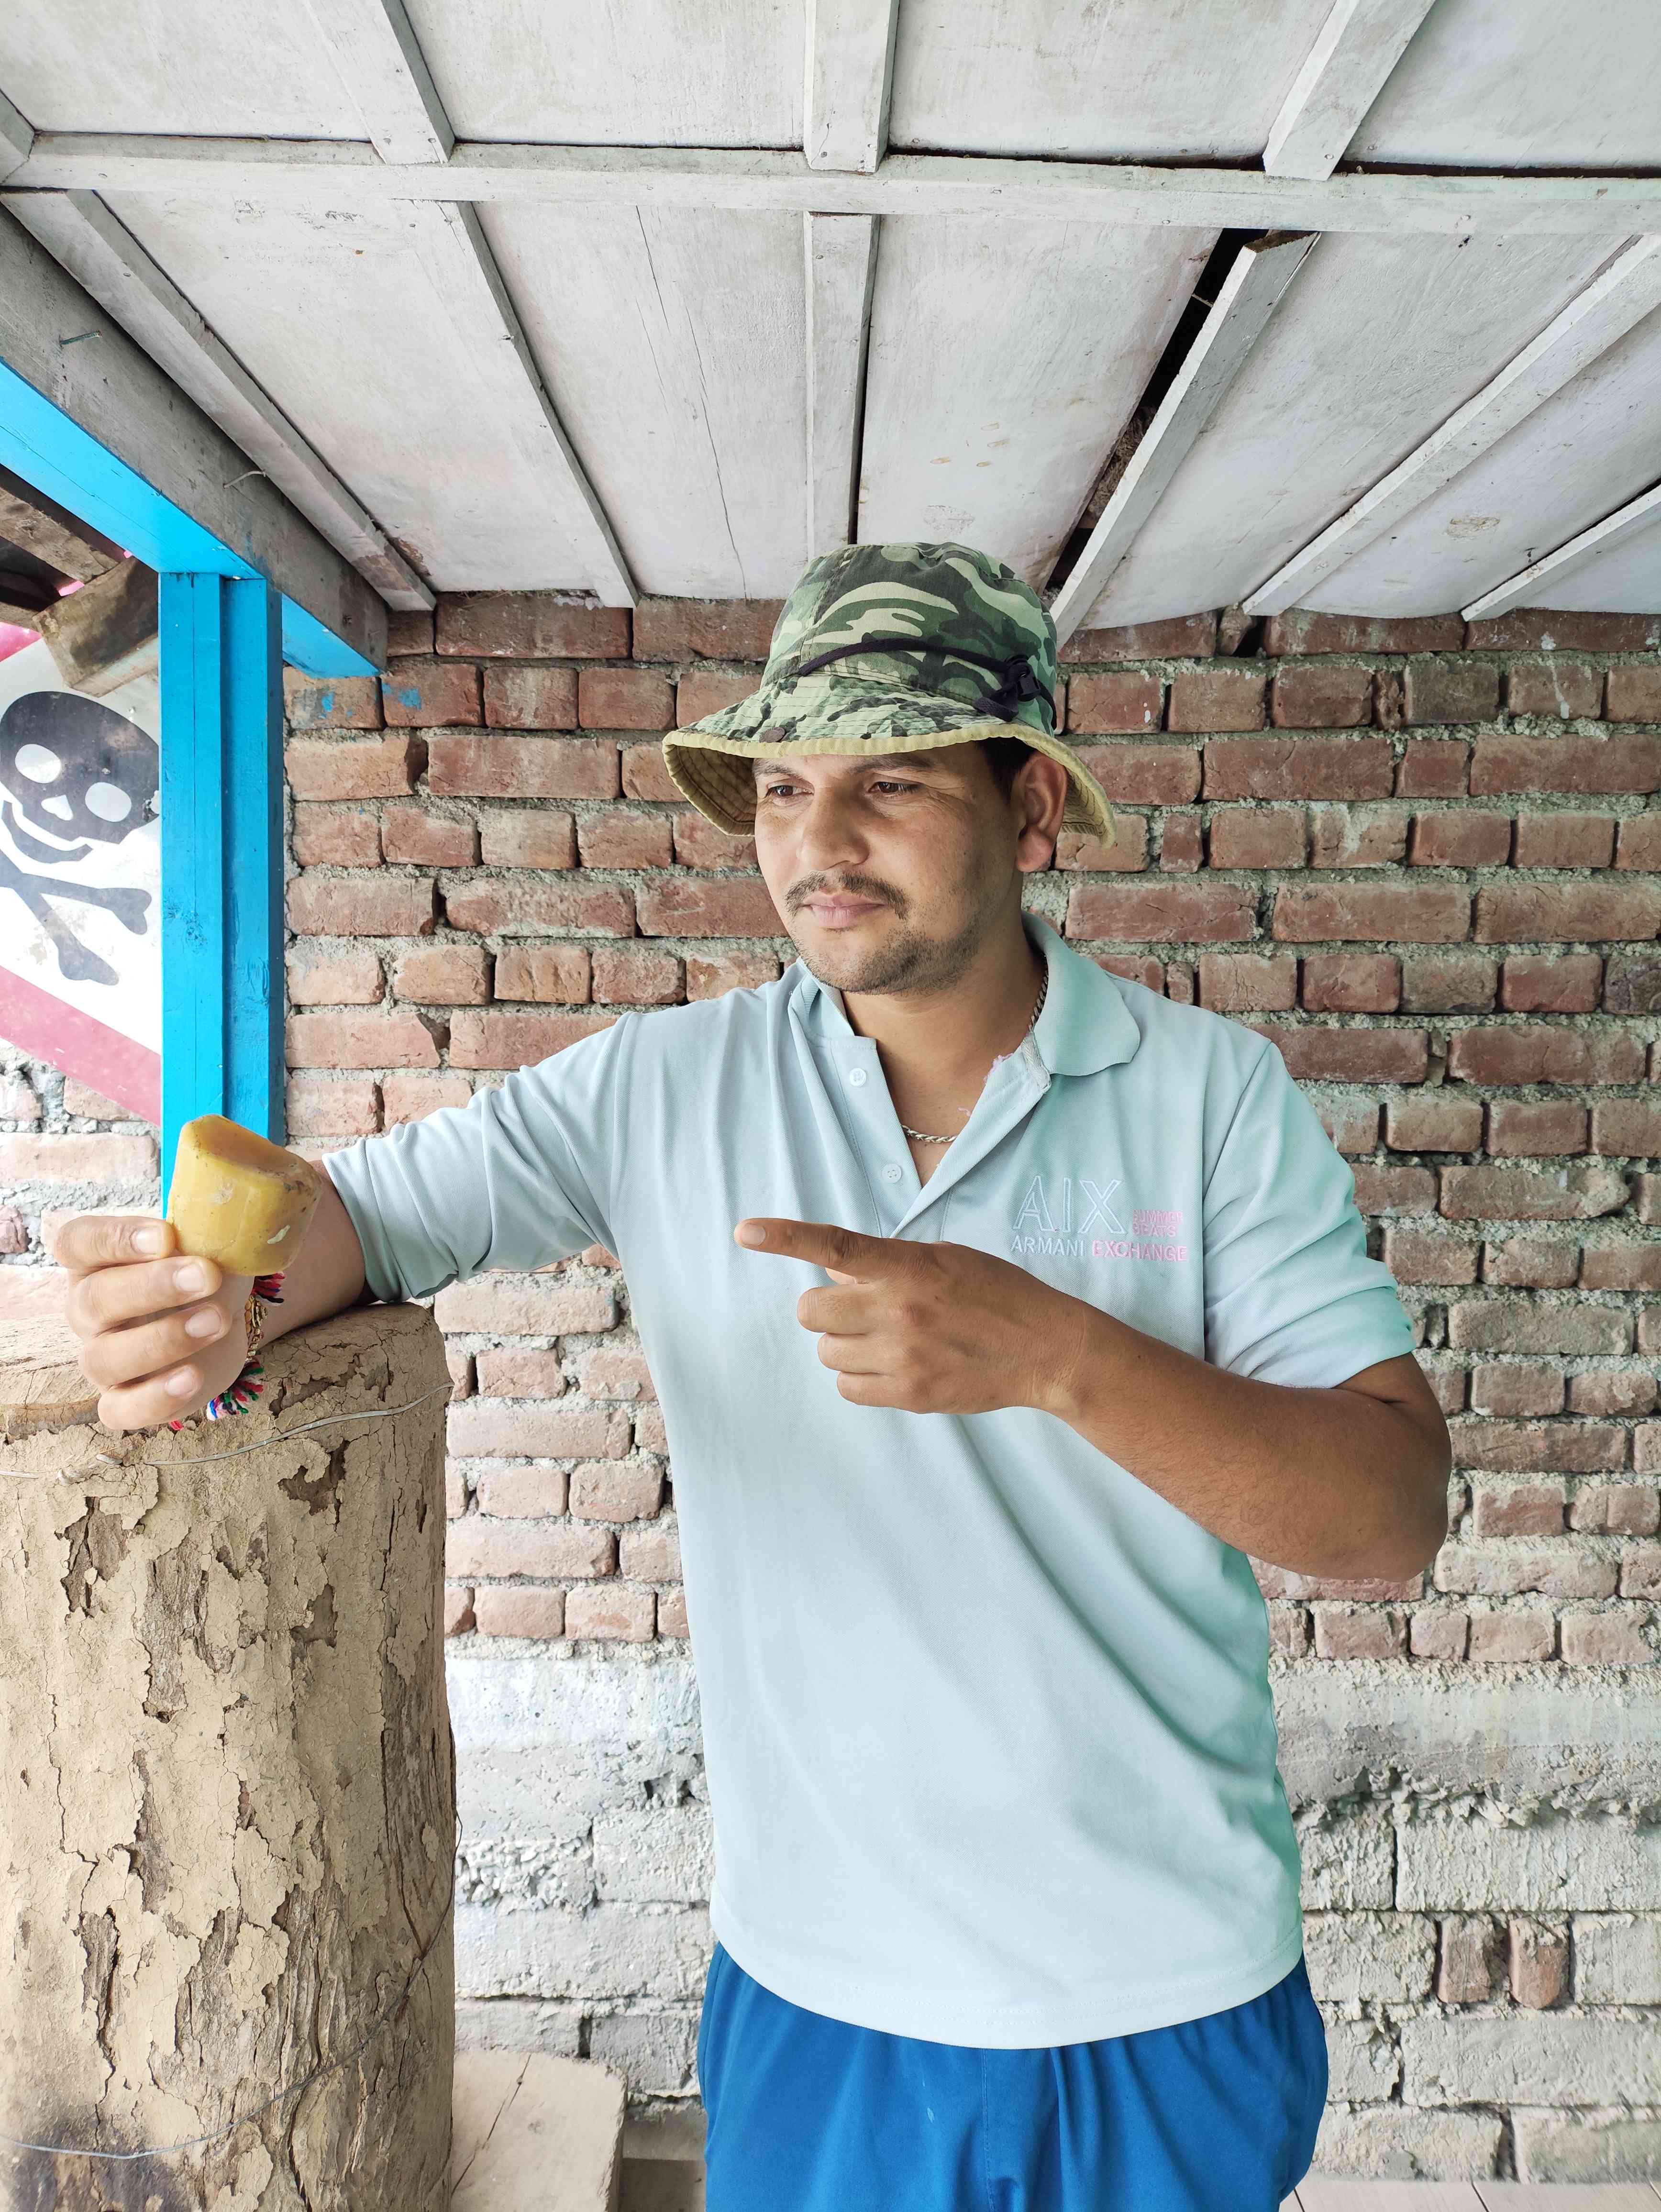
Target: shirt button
[
  {"x": 856, "y": 1077},
  {"x": 890, "y": 1173}
]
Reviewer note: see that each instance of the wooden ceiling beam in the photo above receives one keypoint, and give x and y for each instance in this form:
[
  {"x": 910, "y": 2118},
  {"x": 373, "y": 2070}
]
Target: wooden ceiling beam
[
  {"x": 379, "y": 59},
  {"x": 1347, "y": 67},
  {"x": 841, "y": 251},
  {"x": 16, "y": 138},
  {"x": 1523, "y": 589},
  {"x": 51, "y": 532},
  {"x": 80, "y": 234},
  {"x": 1139, "y": 194},
  {"x": 1247, "y": 298},
  {"x": 1616, "y": 300},
  {"x": 851, "y": 81}
]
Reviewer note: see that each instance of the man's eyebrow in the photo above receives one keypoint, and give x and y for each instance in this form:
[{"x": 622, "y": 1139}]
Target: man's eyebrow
[{"x": 763, "y": 766}]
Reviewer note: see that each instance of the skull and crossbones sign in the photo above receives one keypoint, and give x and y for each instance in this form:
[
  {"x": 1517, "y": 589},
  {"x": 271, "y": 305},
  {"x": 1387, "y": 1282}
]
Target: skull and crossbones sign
[{"x": 85, "y": 776}]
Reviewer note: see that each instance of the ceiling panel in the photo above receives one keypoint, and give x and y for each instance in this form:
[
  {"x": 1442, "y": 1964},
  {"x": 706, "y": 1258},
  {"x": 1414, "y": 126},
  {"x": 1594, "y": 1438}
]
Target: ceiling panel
[
  {"x": 630, "y": 73},
  {"x": 334, "y": 313},
  {"x": 1145, "y": 79},
  {"x": 1551, "y": 84},
  {"x": 675, "y": 342},
  {"x": 1005, "y": 358},
  {"x": 257, "y": 68},
  {"x": 1375, "y": 342},
  {"x": 1591, "y": 448},
  {"x": 1626, "y": 581}
]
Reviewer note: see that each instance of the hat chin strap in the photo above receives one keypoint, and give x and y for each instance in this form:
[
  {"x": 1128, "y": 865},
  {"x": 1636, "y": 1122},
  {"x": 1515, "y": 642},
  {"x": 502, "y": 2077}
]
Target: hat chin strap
[{"x": 1017, "y": 683}]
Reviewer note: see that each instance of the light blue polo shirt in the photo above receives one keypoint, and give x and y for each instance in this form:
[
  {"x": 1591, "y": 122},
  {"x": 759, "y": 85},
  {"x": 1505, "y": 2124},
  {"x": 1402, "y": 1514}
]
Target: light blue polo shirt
[{"x": 990, "y": 1747}]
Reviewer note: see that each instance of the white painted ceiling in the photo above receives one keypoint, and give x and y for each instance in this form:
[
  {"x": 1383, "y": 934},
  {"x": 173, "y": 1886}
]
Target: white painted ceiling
[{"x": 970, "y": 371}]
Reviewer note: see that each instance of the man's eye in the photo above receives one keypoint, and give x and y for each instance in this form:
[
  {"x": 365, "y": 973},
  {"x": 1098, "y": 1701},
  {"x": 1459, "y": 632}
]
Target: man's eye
[{"x": 776, "y": 790}]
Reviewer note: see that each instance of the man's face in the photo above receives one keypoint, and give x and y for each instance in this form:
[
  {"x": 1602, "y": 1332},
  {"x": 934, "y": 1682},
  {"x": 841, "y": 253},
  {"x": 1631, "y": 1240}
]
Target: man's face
[{"x": 890, "y": 870}]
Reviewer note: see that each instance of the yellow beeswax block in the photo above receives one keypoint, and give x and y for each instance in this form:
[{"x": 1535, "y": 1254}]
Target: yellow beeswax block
[{"x": 238, "y": 1198}]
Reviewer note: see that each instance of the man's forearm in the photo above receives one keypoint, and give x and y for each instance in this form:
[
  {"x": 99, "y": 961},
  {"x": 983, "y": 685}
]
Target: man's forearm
[
  {"x": 1346, "y": 1483},
  {"x": 326, "y": 1273}
]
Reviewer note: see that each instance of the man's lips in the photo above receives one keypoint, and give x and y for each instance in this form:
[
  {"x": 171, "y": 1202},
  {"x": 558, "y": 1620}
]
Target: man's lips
[{"x": 840, "y": 910}]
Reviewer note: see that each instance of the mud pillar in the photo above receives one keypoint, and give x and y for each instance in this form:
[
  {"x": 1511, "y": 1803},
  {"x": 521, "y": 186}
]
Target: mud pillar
[{"x": 227, "y": 1788}]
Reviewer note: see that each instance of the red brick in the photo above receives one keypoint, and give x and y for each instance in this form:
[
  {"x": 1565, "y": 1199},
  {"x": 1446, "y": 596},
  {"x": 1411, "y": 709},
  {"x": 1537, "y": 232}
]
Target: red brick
[
  {"x": 517, "y": 1373},
  {"x": 1298, "y": 767},
  {"x": 331, "y": 703},
  {"x": 530, "y": 626},
  {"x": 486, "y": 1544},
  {"x": 1549, "y": 630},
  {"x": 458, "y": 1616},
  {"x": 1352, "y": 1124},
  {"x": 523, "y": 767},
  {"x": 1358, "y": 836},
  {"x": 1607, "y": 1639},
  {"x": 1442, "y": 1635},
  {"x": 646, "y": 774},
  {"x": 1460, "y": 839},
  {"x": 418, "y": 835},
  {"x": 409, "y": 630},
  {"x": 1448, "y": 982},
  {"x": 1421, "y": 913},
  {"x": 739, "y": 906},
  {"x": 360, "y": 906},
  {"x": 636, "y": 978},
  {"x": 443, "y": 975},
  {"x": 1179, "y": 983},
  {"x": 395, "y": 1040},
  {"x": 1634, "y": 694},
  {"x": 1527, "y": 1128},
  {"x": 494, "y": 1427},
  {"x": 711, "y": 974},
  {"x": 528, "y": 837},
  {"x": 1628, "y": 763},
  {"x": 1162, "y": 913},
  {"x": 1236, "y": 982},
  {"x": 1300, "y": 630},
  {"x": 556, "y": 973},
  {"x": 627, "y": 1489},
  {"x": 1420, "y": 1256},
  {"x": 618, "y": 839},
  {"x": 1639, "y": 845},
  {"x": 1512, "y": 1638},
  {"x": 336, "y": 836},
  {"x": 531, "y": 698},
  {"x": 539, "y": 1613},
  {"x": 1216, "y": 698},
  {"x": 412, "y": 1095},
  {"x": 1258, "y": 837},
  {"x": 1322, "y": 696},
  {"x": 1583, "y": 912},
  {"x": 1631, "y": 1390},
  {"x": 1128, "y": 852},
  {"x": 347, "y": 976},
  {"x": 1185, "y": 637},
  {"x": 1182, "y": 845},
  {"x": 1565, "y": 841},
  {"x": 706, "y": 630},
  {"x": 624, "y": 699},
  {"x": 1566, "y": 689},
  {"x": 1333, "y": 1055},
  {"x": 622, "y": 1612},
  {"x": 18, "y": 1102},
  {"x": 605, "y": 909},
  {"x": 703, "y": 691},
  {"x": 1393, "y": 1190},
  {"x": 1509, "y": 1194},
  {"x": 1646, "y": 1204},
  {"x": 424, "y": 695},
  {"x": 1451, "y": 691},
  {"x": 1351, "y": 982},
  {"x": 1516, "y": 1509},
  {"x": 1432, "y": 771},
  {"x": 1362, "y": 1632},
  {"x": 502, "y": 1040},
  {"x": 649, "y": 1555},
  {"x": 1617, "y": 1509},
  {"x": 1149, "y": 973},
  {"x": 323, "y": 1106},
  {"x": 1627, "y": 1128},
  {"x": 1127, "y": 699},
  {"x": 1621, "y": 1267},
  {"x": 353, "y": 768},
  {"x": 1539, "y": 1054},
  {"x": 700, "y": 844},
  {"x": 1144, "y": 775},
  {"x": 1632, "y": 983},
  {"x": 502, "y": 1304},
  {"x": 1433, "y": 1123},
  {"x": 1540, "y": 984},
  {"x": 1532, "y": 1263},
  {"x": 671, "y": 1613},
  {"x": 615, "y": 1371}
]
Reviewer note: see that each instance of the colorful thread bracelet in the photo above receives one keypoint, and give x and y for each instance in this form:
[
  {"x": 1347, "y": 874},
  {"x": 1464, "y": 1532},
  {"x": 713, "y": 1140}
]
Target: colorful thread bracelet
[{"x": 238, "y": 1397}]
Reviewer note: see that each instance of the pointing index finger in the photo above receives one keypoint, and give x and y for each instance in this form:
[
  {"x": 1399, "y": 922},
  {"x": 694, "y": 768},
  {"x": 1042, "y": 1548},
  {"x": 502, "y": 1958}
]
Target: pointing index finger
[{"x": 823, "y": 1244}]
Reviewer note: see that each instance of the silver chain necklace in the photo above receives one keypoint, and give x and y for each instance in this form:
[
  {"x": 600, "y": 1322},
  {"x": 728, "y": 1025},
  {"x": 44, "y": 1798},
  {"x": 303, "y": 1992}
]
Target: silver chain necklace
[{"x": 922, "y": 1136}]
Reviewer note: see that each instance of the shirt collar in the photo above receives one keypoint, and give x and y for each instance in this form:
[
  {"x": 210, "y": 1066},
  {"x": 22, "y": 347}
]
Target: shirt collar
[{"x": 1084, "y": 1027}]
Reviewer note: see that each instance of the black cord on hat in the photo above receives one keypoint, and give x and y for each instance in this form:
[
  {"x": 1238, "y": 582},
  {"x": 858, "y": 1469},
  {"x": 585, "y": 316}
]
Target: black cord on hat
[{"x": 1017, "y": 683}]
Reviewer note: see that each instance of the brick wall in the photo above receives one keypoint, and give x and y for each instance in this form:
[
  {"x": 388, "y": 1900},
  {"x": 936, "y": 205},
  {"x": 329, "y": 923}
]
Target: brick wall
[{"x": 1426, "y": 859}]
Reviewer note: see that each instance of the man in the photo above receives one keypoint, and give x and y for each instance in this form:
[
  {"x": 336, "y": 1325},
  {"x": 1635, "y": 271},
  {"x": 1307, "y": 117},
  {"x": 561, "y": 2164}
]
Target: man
[{"x": 998, "y": 1308}]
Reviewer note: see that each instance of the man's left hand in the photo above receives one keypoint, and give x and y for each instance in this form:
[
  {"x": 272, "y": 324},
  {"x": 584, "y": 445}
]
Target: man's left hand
[{"x": 929, "y": 1329}]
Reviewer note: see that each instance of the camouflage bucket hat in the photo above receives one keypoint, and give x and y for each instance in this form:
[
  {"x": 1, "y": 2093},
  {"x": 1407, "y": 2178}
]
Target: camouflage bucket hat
[{"x": 884, "y": 649}]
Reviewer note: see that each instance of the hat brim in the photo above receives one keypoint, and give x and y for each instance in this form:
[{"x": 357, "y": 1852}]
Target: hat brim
[{"x": 708, "y": 760}]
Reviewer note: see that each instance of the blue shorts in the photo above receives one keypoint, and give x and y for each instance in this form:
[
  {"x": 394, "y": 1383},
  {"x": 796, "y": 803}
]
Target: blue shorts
[{"x": 807, "y": 2114}]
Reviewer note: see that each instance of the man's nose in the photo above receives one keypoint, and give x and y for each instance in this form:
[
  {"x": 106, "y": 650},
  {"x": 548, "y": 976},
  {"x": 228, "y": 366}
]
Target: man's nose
[{"x": 828, "y": 835}]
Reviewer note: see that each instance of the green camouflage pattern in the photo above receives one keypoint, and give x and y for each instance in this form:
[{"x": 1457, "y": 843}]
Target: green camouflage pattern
[{"x": 957, "y": 598}]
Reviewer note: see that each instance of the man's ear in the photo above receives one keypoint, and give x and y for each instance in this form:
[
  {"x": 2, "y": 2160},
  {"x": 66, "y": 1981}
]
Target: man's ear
[{"x": 1039, "y": 795}]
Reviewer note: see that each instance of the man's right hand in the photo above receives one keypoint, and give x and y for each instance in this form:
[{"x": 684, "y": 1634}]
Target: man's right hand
[{"x": 160, "y": 1333}]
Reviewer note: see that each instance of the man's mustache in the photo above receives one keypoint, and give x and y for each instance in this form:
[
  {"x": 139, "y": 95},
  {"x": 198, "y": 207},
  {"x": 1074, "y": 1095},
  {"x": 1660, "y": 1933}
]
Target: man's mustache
[{"x": 846, "y": 886}]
